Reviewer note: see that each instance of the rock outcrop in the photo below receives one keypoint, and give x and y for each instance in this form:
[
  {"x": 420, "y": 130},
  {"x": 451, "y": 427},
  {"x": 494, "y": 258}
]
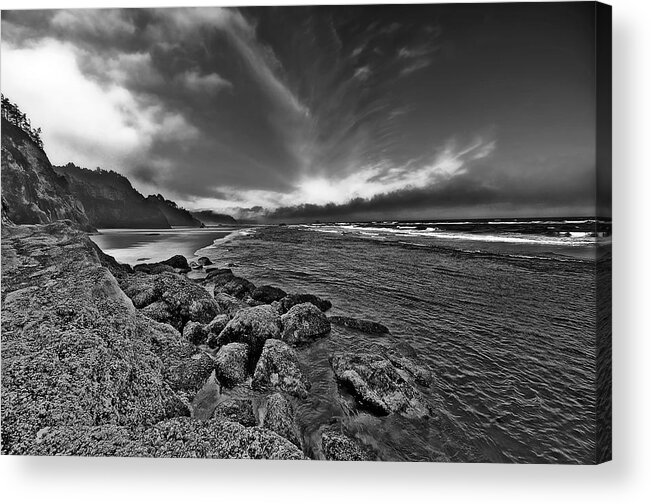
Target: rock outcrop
[
  {"x": 188, "y": 375},
  {"x": 195, "y": 332},
  {"x": 303, "y": 323},
  {"x": 231, "y": 364},
  {"x": 378, "y": 386},
  {"x": 170, "y": 298},
  {"x": 177, "y": 262},
  {"x": 336, "y": 445},
  {"x": 236, "y": 410},
  {"x": 85, "y": 373},
  {"x": 279, "y": 417},
  {"x": 229, "y": 304},
  {"x": 252, "y": 326},
  {"x": 267, "y": 294},
  {"x": 177, "y": 437},
  {"x": 407, "y": 362},
  {"x": 216, "y": 325},
  {"x": 278, "y": 368},
  {"x": 73, "y": 353},
  {"x": 293, "y": 299},
  {"x": 237, "y": 287}
]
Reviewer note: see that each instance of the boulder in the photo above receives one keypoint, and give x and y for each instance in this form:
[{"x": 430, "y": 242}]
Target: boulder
[
  {"x": 161, "y": 312},
  {"x": 362, "y": 325},
  {"x": 267, "y": 294},
  {"x": 236, "y": 410},
  {"x": 336, "y": 445},
  {"x": 204, "y": 261},
  {"x": 142, "y": 289},
  {"x": 177, "y": 262},
  {"x": 279, "y": 417},
  {"x": 378, "y": 386},
  {"x": 189, "y": 375},
  {"x": 195, "y": 332},
  {"x": 237, "y": 287},
  {"x": 153, "y": 269},
  {"x": 184, "y": 300},
  {"x": 191, "y": 302},
  {"x": 303, "y": 323},
  {"x": 278, "y": 368},
  {"x": 219, "y": 275},
  {"x": 194, "y": 265},
  {"x": 229, "y": 304},
  {"x": 203, "y": 310},
  {"x": 231, "y": 364},
  {"x": 177, "y": 437},
  {"x": 420, "y": 373},
  {"x": 174, "y": 404},
  {"x": 165, "y": 341},
  {"x": 216, "y": 325},
  {"x": 293, "y": 299},
  {"x": 252, "y": 326}
]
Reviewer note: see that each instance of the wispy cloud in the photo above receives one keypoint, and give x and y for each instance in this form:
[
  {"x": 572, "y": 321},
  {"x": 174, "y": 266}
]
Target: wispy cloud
[
  {"x": 107, "y": 23},
  {"x": 415, "y": 66},
  {"x": 203, "y": 84},
  {"x": 362, "y": 73},
  {"x": 260, "y": 59},
  {"x": 417, "y": 51}
]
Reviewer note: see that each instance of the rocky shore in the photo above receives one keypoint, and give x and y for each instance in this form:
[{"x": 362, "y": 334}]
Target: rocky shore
[{"x": 99, "y": 358}]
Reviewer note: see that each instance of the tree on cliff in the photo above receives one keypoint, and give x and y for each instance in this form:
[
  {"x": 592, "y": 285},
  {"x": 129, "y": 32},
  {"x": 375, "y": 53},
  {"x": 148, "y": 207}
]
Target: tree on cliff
[{"x": 15, "y": 116}]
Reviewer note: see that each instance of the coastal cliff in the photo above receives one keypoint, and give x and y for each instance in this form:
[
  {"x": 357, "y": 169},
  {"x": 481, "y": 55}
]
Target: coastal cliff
[
  {"x": 175, "y": 215},
  {"x": 110, "y": 200},
  {"x": 32, "y": 192}
]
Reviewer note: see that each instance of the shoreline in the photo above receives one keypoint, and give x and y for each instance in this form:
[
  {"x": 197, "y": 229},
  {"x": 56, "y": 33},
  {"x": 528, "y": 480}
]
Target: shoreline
[
  {"x": 134, "y": 246},
  {"x": 168, "y": 339},
  {"x": 214, "y": 351}
]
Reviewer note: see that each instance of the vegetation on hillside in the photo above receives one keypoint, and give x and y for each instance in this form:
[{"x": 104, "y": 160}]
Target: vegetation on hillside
[{"x": 12, "y": 113}]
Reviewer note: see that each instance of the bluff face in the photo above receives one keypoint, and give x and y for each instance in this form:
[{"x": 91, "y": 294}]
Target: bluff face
[
  {"x": 175, "y": 215},
  {"x": 110, "y": 200},
  {"x": 32, "y": 192}
]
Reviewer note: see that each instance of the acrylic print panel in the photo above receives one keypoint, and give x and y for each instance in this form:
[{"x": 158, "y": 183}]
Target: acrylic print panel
[{"x": 331, "y": 233}]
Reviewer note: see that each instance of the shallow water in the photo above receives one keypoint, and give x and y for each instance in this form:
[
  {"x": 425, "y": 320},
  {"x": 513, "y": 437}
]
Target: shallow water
[
  {"x": 509, "y": 336},
  {"x": 134, "y": 246},
  {"x": 510, "y": 340}
]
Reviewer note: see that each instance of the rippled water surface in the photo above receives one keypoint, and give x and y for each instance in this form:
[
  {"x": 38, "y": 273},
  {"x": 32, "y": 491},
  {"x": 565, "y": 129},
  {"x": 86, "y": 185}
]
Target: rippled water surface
[{"x": 509, "y": 337}]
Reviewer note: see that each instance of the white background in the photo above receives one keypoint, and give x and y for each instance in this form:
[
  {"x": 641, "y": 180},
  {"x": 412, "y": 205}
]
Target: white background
[{"x": 626, "y": 479}]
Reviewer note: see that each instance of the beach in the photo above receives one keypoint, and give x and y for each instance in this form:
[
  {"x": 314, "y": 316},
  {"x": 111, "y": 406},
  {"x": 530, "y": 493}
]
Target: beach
[{"x": 133, "y": 246}]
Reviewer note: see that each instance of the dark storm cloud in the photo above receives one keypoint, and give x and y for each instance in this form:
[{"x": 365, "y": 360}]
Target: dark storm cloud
[
  {"x": 291, "y": 108},
  {"x": 483, "y": 186}
]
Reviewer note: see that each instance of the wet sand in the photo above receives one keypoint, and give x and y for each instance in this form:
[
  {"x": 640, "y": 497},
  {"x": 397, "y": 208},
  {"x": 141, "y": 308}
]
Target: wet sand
[{"x": 134, "y": 246}]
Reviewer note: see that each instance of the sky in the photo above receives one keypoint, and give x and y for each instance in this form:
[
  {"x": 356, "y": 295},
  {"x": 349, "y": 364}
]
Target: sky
[{"x": 333, "y": 113}]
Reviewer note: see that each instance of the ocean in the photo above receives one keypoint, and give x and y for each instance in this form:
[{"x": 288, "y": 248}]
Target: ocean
[{"x": 503, "y": 312}]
